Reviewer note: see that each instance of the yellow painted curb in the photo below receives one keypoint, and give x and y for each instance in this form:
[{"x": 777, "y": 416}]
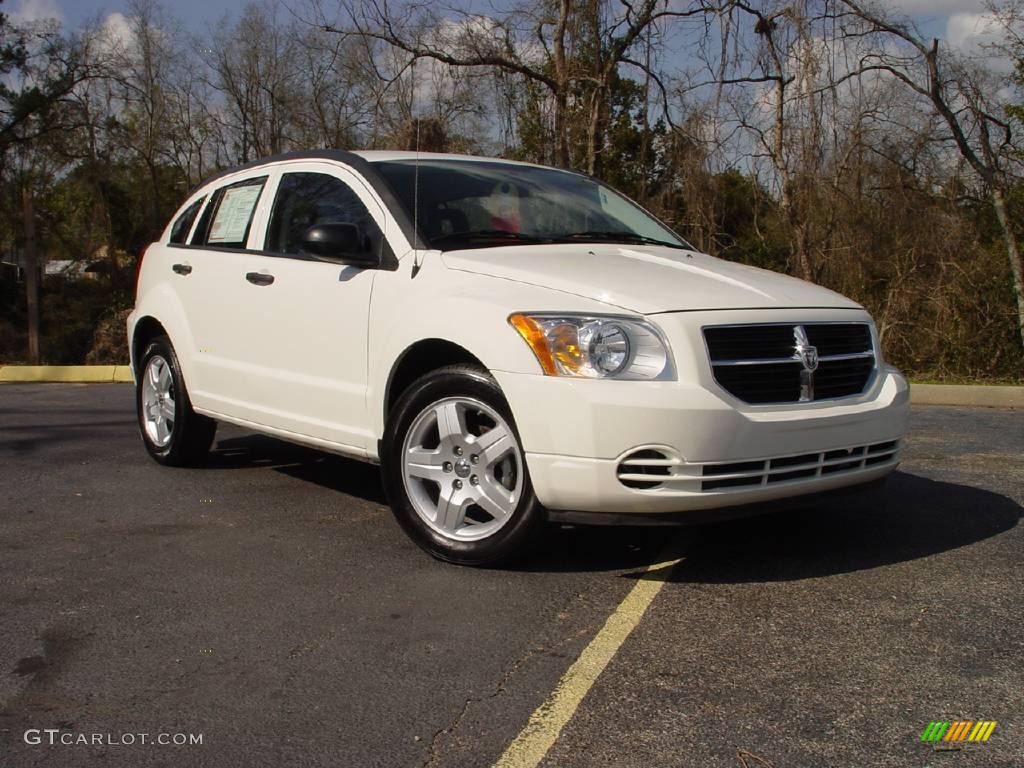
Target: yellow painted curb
[
  {"x": 66, "y": 374},
  {"x": 967, "y": 394}
]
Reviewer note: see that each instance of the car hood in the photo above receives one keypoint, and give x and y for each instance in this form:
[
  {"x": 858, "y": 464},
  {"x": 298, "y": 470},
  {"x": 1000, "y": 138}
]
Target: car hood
[{"x": 645, "y": 279}]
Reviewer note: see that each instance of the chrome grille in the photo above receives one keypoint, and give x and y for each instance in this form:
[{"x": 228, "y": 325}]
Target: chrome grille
[
  {"x": 806, "y": 466},
  {"x": 790, "y": 362}
]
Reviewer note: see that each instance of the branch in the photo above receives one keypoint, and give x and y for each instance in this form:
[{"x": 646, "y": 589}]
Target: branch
[{"x": 661, "y": 87}]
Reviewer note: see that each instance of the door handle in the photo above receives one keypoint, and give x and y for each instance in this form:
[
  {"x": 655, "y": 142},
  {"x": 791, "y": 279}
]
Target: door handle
[
  {"x": 182, "y": 269},
  {"x": 259, "y": 278}
]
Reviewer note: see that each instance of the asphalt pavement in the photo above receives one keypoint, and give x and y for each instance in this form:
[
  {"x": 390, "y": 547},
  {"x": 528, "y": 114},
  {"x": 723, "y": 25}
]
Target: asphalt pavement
[{"x": 269, "y": 603}]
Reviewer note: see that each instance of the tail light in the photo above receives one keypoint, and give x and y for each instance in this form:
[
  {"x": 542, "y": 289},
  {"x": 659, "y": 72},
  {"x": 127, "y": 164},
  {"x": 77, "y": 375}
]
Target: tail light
[{"x": 138, "y": 271}]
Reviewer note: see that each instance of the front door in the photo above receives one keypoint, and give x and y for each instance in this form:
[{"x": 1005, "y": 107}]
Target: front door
[{"x": 305, "y": 340}]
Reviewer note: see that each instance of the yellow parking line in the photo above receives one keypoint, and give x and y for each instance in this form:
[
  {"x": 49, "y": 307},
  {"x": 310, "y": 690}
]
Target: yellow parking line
[{"x": 540, "y": 733}]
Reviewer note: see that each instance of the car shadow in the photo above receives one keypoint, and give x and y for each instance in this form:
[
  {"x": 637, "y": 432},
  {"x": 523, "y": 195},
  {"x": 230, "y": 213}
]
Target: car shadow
[
  {"x": 328, "y": 470},
  {"x": 907, "y": 518},
  {"x": 23, "y": 439}
]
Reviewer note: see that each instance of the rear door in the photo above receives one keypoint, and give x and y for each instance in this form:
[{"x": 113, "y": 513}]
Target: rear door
[{"x": 218, "y": 261}]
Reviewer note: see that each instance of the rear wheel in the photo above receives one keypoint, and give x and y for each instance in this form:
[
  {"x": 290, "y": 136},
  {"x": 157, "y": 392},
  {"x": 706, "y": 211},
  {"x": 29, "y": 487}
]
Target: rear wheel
[
  {"x": 455, "y": 471},
  {"x": 172, "y": 432}
]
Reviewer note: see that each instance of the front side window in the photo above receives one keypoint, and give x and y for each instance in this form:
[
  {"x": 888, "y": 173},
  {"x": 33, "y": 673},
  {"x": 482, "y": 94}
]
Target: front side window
[
  {"x": 464, "y": 203},
  {"x": 306, "y": 199},
  {"x": 183, "y": 224},
  {"x": 226, "y": 221}
]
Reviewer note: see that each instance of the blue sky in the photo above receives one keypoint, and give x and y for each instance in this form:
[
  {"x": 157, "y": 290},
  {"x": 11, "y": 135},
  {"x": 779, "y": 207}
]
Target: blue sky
[
  {"x": 74, "y": 12},
  {"x": 955, "y": 19}
]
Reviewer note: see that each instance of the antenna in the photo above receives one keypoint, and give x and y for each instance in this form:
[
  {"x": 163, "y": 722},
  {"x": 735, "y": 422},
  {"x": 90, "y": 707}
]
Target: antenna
[
  {"x": 415, "y": 179},
  {"x": 416, "y": 194}
]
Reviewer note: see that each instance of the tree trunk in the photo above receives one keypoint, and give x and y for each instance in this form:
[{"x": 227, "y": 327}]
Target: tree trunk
[
  {"x": 155, "y": 221},
  {"x": 801, "y": 249},
  {"x": 645, "y": 136},
  {"x": 31, "y": 263},
  {"x": 595, "y": 135},
  {"x": 603, "y": 72},
  {"x": 562, "y": 79},
  {"x": 561, "y": 131},
  {"x": 1013, "y": 253}
]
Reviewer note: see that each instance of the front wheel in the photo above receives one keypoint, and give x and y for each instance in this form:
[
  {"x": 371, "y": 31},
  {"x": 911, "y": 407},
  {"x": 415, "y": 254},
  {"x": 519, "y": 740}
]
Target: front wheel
[{"x": 455, "y": 471}]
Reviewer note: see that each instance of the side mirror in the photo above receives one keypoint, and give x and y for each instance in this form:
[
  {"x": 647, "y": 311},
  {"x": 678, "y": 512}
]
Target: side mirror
[{"x": 343, "y": 243}]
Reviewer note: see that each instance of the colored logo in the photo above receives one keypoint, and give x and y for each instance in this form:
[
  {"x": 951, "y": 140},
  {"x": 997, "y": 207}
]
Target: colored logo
[{"x": 959, "y": 730}]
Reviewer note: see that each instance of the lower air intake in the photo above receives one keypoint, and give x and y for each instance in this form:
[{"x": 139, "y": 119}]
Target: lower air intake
[{"x": 645, "y": 469}]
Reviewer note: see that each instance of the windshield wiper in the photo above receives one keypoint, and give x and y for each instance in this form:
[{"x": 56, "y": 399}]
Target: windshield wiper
[
  {"x": 488, "y": 234},
  {"x": 610, "y": 236}
]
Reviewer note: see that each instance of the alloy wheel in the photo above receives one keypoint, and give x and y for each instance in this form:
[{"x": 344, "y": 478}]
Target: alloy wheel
[
  {"x": 158, "y": 401},
  {"x": 462, "y": 468}
]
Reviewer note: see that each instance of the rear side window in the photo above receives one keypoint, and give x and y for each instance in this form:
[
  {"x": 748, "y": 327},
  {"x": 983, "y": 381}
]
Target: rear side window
[
  {"x": 305, "y": 199},
  {"x": 228, "y": 217},
  {"x": 183, "y": 224}
]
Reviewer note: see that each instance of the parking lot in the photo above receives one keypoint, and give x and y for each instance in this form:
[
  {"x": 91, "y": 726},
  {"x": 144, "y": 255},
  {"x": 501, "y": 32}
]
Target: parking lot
[{"x": 270, "y": 603}]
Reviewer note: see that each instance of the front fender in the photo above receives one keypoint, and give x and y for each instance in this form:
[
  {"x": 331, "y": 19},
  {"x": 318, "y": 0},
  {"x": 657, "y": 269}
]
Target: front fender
[{"x": 466, "y": 309}]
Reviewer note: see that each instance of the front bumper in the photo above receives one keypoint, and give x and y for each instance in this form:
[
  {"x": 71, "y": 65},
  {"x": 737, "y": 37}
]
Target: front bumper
[{"x": 576, "y": 434}]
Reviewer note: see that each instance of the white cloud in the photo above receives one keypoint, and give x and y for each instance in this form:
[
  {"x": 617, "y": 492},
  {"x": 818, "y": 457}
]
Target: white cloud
[
  {"x": 117, "y": 32},
  {"x": 935, "y": 8},
  {"x": 981, "y": 38},
  {"x": 969, "y": 31},
  {"x": 476, "y": 34},
  {"x": 35, "y": 10},
  {"x": 435, "y": 82}
]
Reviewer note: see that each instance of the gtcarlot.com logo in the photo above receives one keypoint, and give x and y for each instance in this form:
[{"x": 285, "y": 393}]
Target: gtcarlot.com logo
[{"x": 56, "y": 737}]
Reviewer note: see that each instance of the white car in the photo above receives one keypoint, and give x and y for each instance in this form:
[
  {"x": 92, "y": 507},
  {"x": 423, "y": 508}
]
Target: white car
[{"x": 510, "y": 342}]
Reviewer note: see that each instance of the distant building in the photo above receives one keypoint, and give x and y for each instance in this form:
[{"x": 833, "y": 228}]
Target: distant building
[{"x": 12, "y": 268}]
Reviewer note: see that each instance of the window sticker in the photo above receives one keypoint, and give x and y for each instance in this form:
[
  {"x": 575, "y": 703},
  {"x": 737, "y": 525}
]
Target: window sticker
[{"x": 233, "y": 214}]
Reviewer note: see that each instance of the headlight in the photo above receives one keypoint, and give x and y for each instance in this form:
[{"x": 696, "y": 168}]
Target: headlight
[{"x": 595, "y": 347}]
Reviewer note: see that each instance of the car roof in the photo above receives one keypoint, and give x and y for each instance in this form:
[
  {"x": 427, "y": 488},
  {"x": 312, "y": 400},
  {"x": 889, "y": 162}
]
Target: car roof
[
  {"x": 392, "y": 155},
  {"x": 359, "y": 159},
  {"x": 353, "y": 160},
  {"x": 363, "y": 162}
]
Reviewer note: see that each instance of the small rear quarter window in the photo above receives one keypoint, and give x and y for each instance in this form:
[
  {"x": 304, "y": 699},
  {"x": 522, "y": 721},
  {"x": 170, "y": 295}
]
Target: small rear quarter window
[{"x": 183, "y": 224}]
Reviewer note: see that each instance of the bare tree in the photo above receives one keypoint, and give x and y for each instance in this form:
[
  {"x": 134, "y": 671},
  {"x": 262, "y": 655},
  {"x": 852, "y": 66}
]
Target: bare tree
[
  {"x": 772, "y": 73},
  {"x": 191, "y": 131},
  {"x": 338, "y": 107},
  {"x": 255, "y": 67},
  {"x": 961, "y": 95},
  {"x": 571, "y": 50},
  {"x": 141, "y": 56}
]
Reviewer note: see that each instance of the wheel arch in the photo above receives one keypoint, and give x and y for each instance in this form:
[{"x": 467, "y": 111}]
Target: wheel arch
[
  {"x": 419, "y": 358},
  {"x": 146, "y": 329}
]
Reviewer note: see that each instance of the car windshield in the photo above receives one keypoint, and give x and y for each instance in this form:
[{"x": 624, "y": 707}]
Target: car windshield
[{"x": 469, "y": 203}]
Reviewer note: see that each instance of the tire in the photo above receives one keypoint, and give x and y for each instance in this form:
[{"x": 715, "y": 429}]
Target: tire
[
  {"x": 176, "y": 436},
  {"x": 448, "y": 495}
]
